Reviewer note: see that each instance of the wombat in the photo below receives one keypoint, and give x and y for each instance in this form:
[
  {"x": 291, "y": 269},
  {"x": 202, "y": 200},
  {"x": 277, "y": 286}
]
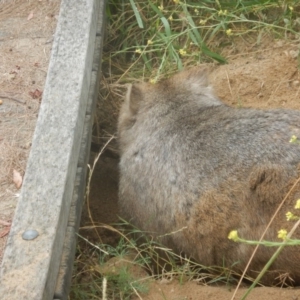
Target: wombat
[{"x": 192, "y": 169}]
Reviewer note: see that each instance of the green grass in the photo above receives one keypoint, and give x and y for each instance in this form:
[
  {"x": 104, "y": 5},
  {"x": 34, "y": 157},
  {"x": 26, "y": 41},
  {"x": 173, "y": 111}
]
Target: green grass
[{"x": 155, "y": 38}]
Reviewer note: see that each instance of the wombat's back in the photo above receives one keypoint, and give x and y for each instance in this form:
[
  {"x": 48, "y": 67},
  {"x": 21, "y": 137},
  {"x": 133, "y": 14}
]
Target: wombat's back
[{"x": 194, "y": 166}]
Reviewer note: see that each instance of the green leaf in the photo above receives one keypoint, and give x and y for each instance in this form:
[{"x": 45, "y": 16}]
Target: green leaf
[
  {"x": 137, "y": 14},
  {"x": 163, "y": 19}
]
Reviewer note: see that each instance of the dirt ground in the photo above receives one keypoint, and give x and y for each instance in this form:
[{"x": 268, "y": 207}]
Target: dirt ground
[
  {"x": 261, "y": 76},
  {"x": 26, "y": 35}
]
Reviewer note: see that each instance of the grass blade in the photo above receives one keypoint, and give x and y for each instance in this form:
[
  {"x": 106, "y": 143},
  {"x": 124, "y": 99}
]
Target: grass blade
[{"x": 137, "y": 14}]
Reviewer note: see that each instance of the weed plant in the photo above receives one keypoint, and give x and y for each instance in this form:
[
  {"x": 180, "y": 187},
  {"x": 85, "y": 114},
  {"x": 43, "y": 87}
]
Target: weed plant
[{"x": 151, "y": 38}]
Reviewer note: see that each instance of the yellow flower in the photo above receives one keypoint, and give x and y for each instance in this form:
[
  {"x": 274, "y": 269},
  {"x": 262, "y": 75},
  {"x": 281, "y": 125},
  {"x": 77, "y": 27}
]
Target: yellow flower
[
  {"x": 176, "y": 1},
  {"x": 233, "y": 235},
  {"x": 196, "y": 11},
  {"x": 160, "y": 7},
  {"x": 202, "y": 22},
  {"x": 229, "y": 32},
  {"x": 152, "y": 80},
  {"x": 222, "y": 12},
  {"x": 291, "y": 8},
  {"x": 149, "y": 42},
  {"x": 282, "y": 234},
  {"x": 290, "y": 216},
  {"x": 171, "y": 18},
  {"x": 293, "y": 139},
  {"x": 297, "y": 206},
  {"x": 182, "y": 52},
  {"x": 138, "y": 51}
]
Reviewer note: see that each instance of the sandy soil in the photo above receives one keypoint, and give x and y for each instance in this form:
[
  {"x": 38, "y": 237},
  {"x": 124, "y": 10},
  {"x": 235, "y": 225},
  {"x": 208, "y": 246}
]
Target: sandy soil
[
  {"x": 263, "y": 77},
  {"x": 193, "y": 291},
  {"x": 26, "y": 35}
]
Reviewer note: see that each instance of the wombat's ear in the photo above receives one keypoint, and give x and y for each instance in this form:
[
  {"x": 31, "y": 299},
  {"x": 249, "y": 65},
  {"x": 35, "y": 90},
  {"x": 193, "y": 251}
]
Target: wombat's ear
[
  {"x": 198, "y": 77},
  {"x": 194, "y": 80},
  {"x": 133, "y": 97}
]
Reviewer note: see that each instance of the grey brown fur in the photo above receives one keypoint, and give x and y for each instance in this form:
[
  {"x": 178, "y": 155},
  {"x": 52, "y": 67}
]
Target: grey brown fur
[{"x": 192, "y": 165}]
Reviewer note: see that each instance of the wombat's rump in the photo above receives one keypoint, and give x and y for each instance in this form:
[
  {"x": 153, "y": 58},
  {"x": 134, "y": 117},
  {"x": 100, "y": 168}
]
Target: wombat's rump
[{"x": 194, "y": 166}]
